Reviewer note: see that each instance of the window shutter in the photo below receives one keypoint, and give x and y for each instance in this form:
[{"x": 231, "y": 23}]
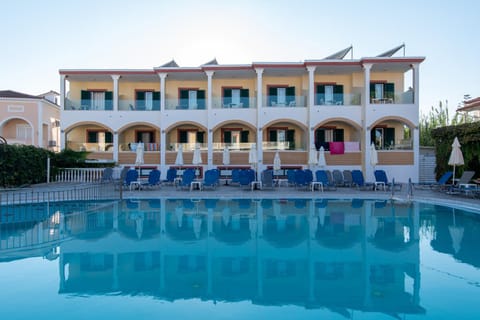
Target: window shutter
[
  {"x": 183, "y": 137},
  {"x": 244, "y": 98},
  {"x": 338, "y": 94},
  {"x": 244, "y": 136},
  {"x": 200, "y": 136},
  {"x": 291, "y": 139},
  {"x": 227, "y": 136},
  {"x": 320, "y": 94},
  {"x": 372, "y": 91},
  {"x": 201, "y": 99},
  {"x": 108, "y": 100},
  {"x": 290, "y": 93},
  {"x": 338, "y": 135},
  {"x": 92, "y": 137},
  {"x": 372, "y": 137},
  {"x": 183, "y": 98},
  {"x": 85, "y": 97},
  {"x": 389, "y": 89},
  {"x": 272, "y": 95},
  {"x": 389, "y": 137},
  {"x": 272, "y": 136},
  {"x": 140, "y": 100},
  {"x": 108, "y": 137},
  {"x": 227, "y": 96},
  {"x": 156, "y": 100}
]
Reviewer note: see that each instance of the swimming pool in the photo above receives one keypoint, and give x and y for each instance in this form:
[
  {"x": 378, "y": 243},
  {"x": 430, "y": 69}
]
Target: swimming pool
[{"x": 239, "y": 258}]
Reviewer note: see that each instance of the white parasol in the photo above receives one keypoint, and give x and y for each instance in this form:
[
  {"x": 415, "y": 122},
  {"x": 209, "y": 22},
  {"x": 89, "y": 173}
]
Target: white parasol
[
  {"x": 179, "y": 158},
  {"x": 226, "y": 156},
  {"x": 139, "y": 151},
  {"x": 322, "y": 162},
  {"x": 277, "y": 163},
  {"x": 456, "y": 157}
]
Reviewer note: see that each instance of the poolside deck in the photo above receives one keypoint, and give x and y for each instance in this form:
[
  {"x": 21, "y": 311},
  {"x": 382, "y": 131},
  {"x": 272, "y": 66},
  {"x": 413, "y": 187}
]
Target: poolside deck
[{"x": 229, "y": 191}]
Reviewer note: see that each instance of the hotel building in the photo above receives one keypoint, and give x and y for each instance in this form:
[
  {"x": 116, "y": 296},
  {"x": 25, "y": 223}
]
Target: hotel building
[{"x": 294, "y": 108}]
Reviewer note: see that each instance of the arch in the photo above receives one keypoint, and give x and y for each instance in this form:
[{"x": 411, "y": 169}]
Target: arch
[
  {"x": 396, "y": 118},
  {"x": 227, "y": 122},
  {"x": 181, "y": 123},
  {"x": 16, "y": 118},
  {"x": 297, "y": 123},
  {"x": 137, "y": 123},
  {"x": 339, "y": 119},
  {"x": 82, "y": 123}
]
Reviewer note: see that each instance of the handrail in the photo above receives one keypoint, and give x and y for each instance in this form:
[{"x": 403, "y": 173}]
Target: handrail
[{"x": 79, "y": 175}]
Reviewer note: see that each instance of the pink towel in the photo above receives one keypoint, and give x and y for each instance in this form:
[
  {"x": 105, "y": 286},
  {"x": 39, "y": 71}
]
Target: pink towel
[{"x": 337, "y": 148}]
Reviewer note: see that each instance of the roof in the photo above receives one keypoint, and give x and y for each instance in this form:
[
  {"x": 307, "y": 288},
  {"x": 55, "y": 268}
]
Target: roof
[
  {"x": 17, "y": 95},
  {"x": 470, "y": 105},
  {"x": 49, "y": 92}
]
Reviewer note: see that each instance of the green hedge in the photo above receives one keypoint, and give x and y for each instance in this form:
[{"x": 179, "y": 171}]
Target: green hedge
[
  {"x": 469, "y": 137},
  {"x": 24, "y": 165}
]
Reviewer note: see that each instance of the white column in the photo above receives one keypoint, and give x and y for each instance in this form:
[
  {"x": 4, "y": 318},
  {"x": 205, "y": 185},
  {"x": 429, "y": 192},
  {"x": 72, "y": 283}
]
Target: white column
[
  {"x": 209, "y": 122},
  {"x": 115, "y": 91},
  {"x": 416, "y": 83},
  {"x": 62, "y": 138},
  {"x": 416, "y": 154},
  {"x": 62, "y": 92},
  {"x": 163, "y": 148},
  {"x": 311, "y": 103},
  {"x": 260, "y": 128},
  {"x": 39, "y": 133},
  {"x": 115, "y": 146},
  {"x": 366, "y": 123}
]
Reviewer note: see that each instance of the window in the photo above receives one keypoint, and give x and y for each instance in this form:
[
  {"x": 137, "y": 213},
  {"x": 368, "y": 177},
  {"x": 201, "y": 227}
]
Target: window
[
  {"x": 233, "y": 97},
  {"x": 96, "y": 100},
  {"x": 147, "y": 100},
  {"x": 192, "y": 99},
  {"x": 191, "y": 136},
  {"x": 325, "y": 135},
  {"x": 145, "y": 136},
  {"x": 24, "y": 132},
  {"x": 282, "y": 138},
  {"x": 234, "y": 137},
  {"x": 281, "y": 96},
  {"x": 383, "y": 137},
  {"x": 329, "y": 94},
  {"x": 99, "y": 137},
  {"x": 382, "y": 92}
]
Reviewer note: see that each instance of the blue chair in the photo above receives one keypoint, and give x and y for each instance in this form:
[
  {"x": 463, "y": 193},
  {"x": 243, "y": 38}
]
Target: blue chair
[
  {"x": 308, "y": 176},
  {"x": 236, "y": 176},
  {"x": 153, "y": 179},
  {"x": 246, "y": 178},
  {"x": 267, "y": 179},
  {"x": 382, "y": 180},
  {"x": 171, "y": 175},
  {"x": 187, "y": 178},
  {"x": 359, "y": 181},
  {"x": 442, "y": 182},
  {"x": 301, "y": 179},
  {"x": 291, "y": 177},
  {"x": 131, "y": 176},
  {"x": 212, "y": 179}
]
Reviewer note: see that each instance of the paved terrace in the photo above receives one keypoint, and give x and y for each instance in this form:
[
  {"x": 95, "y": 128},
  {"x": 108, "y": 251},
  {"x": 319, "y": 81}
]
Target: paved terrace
[{"x": 64, "y": 191}]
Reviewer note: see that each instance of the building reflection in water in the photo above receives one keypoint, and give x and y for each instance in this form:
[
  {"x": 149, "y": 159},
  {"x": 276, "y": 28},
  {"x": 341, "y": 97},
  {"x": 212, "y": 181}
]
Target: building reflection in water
[{"x": 336, "y": 254}]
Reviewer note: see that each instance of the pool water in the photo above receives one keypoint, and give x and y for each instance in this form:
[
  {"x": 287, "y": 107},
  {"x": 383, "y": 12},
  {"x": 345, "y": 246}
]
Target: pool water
[{"x": 239, "y": 259}]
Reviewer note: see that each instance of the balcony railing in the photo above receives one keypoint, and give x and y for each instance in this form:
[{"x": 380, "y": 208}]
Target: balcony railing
[
  {"x": 88, "y": 105},
  {"x": 185, "y": 104},
  {"x": 89, "y": 146},
  {"x": 228, "y": 103},
  {"x": 138, "y": 105},
  {"x": 402, "y": 98},
  {"x": 289, "y": 101},
  {"x": 353, "y": 99}
]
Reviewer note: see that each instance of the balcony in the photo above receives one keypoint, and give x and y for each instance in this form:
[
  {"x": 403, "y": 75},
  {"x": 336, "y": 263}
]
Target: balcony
[
  {"x": 228, "y": 103},
  {"x": 286, "y": 102},
  {"x": 338, "y": 99},
  {"x": 185, "y": 104},
  {"x": 88, "y": 105},
  {"x": 138, "y": 105},
  {"x": 402, "y": 98}
]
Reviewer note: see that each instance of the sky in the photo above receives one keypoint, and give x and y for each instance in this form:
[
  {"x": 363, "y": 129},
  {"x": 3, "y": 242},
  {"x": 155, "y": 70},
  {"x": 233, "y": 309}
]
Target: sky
[{"x": 39, "y": 37}]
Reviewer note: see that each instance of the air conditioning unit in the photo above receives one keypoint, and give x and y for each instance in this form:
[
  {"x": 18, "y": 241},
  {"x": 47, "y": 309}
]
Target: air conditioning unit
[{"x": 52, "y": 143}]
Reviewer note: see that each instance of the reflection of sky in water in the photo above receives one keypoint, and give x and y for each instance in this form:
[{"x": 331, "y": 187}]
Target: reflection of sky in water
[{"x": 282, "y": 259}]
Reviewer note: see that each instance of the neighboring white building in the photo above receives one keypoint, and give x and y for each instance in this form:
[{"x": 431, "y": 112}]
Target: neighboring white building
[{"x": 290, "y": 107}]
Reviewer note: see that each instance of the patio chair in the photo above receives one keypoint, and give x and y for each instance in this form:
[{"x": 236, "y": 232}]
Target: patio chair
[
  {"x": 153, "y": 179},
  {"x": 291, "y": 177},
  {"x": 381, "y": 180},
  {"x": 441, "y": 184},
  {"x": 131, "y": 178},
  {"x": 347, "y": 178},
  {"x": 235, "y": 176},
  {"x": 338, "y": 178},
  {"x": 463, "y": 184},
  {"x": 187, "y": 178},
  {"x": 322, "y": 176},
  {"x": 301, "y": 179},
  {"x": 171, "y": 175},
  {"x": 246, "y": 177},
  {"x": 359, "y": 181},
  {"x": 212, "y": 179},
  {"x": 267, "y": 179},
  {"x": 330, "y": 177}
]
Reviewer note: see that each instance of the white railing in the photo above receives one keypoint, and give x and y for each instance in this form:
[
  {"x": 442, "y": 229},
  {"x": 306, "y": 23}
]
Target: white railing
[{"x": 80, "y": 175}]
